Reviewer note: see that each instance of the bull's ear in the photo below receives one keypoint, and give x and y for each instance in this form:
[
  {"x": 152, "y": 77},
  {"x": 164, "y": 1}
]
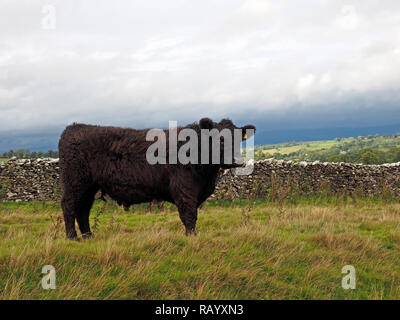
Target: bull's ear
[
  {"x": 226, "y": 123},
  {"x": 206, "y": 123},
  {"x": 248, "y": 131}
]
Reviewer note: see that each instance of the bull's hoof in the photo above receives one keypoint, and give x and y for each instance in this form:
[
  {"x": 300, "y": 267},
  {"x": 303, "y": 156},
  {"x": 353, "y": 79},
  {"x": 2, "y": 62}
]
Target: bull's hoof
[
  {"x": 73, "y": 238},
  {"x": 191, "y": 232},
  {"x": 87, "y": 235},
  {"x": 71, "y": 235}
]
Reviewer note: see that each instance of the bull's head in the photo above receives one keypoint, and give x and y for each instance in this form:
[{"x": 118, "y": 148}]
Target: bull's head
[{"x": 224, "y": 141}]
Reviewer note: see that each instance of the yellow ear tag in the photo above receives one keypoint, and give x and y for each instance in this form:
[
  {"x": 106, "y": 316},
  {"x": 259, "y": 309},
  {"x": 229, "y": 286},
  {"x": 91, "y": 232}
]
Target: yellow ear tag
[{"x": 245, "y": 136}]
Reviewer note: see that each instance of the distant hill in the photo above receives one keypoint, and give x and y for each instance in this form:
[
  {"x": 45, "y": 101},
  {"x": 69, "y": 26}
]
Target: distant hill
[
  {"x": 48, "y": 140},
  {"x": 371, "y": 149},
  {"x": 265, "y": 136}
]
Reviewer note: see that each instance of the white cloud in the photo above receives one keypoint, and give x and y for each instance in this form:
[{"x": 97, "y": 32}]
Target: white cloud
[
  {"x": 325, "y": 79},
  {"x": 304, "y": 86}
]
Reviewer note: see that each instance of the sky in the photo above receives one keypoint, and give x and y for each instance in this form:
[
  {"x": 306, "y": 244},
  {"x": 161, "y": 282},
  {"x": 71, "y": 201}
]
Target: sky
[{"x": 284, "y": 65}]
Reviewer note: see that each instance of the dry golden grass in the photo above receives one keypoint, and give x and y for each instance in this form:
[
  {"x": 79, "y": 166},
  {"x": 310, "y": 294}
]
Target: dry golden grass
[{"x": 271, "y": 252}]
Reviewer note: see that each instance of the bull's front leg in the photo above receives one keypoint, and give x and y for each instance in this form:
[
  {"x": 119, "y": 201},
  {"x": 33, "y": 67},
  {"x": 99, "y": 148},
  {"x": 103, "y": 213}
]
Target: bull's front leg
[{"x": 188, "y": 215}]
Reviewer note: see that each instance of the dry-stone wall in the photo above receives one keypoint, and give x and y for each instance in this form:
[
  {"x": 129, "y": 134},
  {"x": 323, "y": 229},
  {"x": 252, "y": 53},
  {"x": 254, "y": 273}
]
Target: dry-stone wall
[
  {"x": 27, "y": 180},
  {"x": 310, "y": 178}
]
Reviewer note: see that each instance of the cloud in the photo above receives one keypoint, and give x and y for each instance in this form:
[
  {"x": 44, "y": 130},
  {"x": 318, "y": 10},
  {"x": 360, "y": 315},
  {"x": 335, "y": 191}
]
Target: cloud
[
  {"x": 349, "y": 19},
  {"x": 143, "y": 63}
]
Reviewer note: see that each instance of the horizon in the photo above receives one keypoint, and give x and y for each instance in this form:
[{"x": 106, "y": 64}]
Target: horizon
[{"x": 274, "y": 140}]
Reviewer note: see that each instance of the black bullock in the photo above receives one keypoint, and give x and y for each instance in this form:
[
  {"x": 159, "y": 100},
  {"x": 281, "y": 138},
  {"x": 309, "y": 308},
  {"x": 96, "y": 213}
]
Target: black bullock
[{"x": 113, "y": 160}]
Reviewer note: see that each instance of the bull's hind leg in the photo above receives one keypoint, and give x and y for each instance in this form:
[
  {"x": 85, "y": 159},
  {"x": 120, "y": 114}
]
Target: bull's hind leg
[
  {"x": 67, "y": 204},
  {"x": 77, "y": 205},
  {"x": 83, "y": 213}
]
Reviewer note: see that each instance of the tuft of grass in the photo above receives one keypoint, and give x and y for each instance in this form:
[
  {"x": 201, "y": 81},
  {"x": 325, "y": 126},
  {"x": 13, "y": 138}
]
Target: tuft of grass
[{"x": 251, "y": 249}]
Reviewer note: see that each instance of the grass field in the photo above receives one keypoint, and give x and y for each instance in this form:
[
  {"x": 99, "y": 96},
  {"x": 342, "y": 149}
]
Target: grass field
[
  {"x": 307, "y": 146},
  {"x": 243, "y": 251},
  {"x": 3, "y": 159},
  {"x": 367, "y": 150}
]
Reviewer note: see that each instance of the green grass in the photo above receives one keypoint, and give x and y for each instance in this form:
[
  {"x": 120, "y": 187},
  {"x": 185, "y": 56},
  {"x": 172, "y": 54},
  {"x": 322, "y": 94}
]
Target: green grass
[
  {"x": 244, "y": 250},
  {"x": 306, "y": 146},
  {"x": 3, "y": 159}
]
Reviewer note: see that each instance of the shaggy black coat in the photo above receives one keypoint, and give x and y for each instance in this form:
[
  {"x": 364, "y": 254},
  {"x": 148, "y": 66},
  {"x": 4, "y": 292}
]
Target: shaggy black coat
[{"x": 113, "y": 160}]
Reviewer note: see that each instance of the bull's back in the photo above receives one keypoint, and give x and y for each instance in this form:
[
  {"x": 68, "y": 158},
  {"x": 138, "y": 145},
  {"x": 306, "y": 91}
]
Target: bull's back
[
  {"x": 89, "y": 143},
  {"x": 114, "y": 159}
]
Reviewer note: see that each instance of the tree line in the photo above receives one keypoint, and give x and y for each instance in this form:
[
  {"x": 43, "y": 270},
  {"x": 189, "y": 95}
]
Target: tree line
[
  {"x": 27, "y": 154},
  {"x": 363, "y": 155}
]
